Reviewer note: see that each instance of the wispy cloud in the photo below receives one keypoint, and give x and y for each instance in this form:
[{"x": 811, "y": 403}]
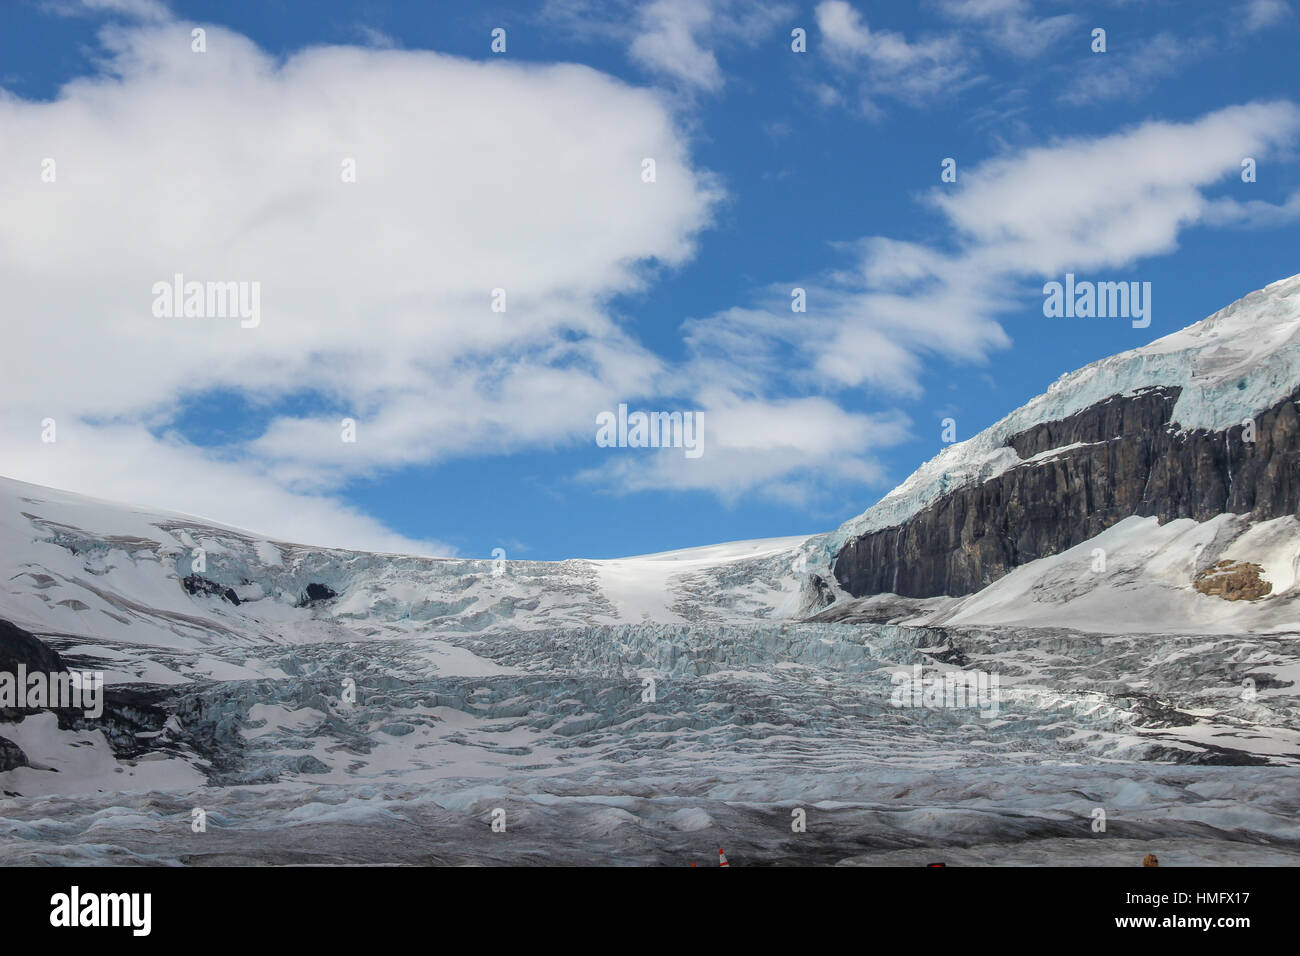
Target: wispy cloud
[
  {"x": 1262, "y": 14},
  {"x": 887, "y": 63},
  {"x": 1012, "y": 25},
  {"x": 149, "y": 10},
  {"x": 1125, "y": 73},
  {"x": 372, "y": 37},
  {"x": 873, "y": 66},
  {"x": 676, "y": 41}
]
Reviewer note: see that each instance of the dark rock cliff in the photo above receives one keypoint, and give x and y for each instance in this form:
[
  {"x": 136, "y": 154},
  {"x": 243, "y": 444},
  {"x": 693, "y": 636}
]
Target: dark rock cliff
[
  {"x": 1131, "y": 461},
  {"x": 128, "y": 711}
]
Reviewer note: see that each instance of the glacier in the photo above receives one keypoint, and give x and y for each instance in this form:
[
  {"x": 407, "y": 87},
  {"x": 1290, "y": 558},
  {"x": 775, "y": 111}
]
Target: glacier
[{"x": 526, "y": 690}]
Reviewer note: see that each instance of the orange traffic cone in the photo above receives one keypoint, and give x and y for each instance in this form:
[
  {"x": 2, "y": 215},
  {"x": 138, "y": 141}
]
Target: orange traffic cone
[{"x": 722, "y": 858}]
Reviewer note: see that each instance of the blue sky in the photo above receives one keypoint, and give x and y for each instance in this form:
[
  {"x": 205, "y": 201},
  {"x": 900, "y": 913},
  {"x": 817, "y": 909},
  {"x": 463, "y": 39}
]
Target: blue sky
[{"x": 775, "y": 170}]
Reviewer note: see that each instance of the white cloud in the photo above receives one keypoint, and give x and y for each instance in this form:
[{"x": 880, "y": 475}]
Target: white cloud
[
  {"x": 1086, "y": 203},
  {"x": 1254, "y": 213},
  {"x": 667, "y": 42},
  {"x": 226, "y": 165},
  {"x": 1075, "y": 205},
  {"x": 786, "y": 449}
]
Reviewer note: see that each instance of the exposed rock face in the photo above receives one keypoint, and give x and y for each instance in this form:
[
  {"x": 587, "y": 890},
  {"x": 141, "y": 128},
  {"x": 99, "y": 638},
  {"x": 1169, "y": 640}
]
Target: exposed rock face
[
  {"x": 1233, "y": 581},
  {"x": 195, "y": 584},
  {"x": 1129, "y": 460},
  {"x": 20, "y": 647},
  {"x": 130, "y": 714},
  {"x": 817, "y": 595},
  {"x": 11, "y": 755}
]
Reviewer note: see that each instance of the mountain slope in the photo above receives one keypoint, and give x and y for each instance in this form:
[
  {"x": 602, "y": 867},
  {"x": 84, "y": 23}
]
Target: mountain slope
[
  {"x": 1199, "y": 424},
  {"x": 77, "y": 566}
]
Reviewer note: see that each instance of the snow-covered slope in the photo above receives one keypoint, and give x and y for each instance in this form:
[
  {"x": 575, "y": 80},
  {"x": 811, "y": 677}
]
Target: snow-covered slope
[
  {"x": 1144, "y": 583},
  {"x": 1134, "y": 578},
  {"x": 73, "y": 566}
]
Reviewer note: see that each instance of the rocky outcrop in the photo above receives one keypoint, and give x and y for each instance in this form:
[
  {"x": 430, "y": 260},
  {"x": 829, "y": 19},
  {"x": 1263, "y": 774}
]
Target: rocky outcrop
[
  {"x": 11, "y": 755},
  {"x": 1233, "y": 581},
  {"x": 131, "y": 716},
  {"x": 1079, "y": 476},
  {"x": 20, "y": 648},
  {"x": 195, "y": 584},
  {"x": 816, "y": 596}
]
